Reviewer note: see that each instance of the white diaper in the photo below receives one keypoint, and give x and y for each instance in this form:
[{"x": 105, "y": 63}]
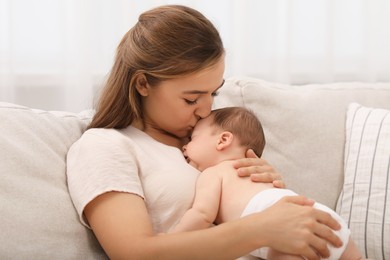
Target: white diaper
[{"x": 268, "y": 197}]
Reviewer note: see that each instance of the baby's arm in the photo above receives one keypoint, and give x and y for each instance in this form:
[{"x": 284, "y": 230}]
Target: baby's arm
[{"x": 206, "y": 203}]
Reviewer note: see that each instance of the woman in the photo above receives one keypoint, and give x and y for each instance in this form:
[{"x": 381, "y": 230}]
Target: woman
[{"x": 127, "y": 176}]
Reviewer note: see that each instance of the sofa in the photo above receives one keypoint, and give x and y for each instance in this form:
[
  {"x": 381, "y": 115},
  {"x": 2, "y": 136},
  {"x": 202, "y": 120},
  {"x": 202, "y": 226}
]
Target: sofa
[{"x": 330, "y": 142}]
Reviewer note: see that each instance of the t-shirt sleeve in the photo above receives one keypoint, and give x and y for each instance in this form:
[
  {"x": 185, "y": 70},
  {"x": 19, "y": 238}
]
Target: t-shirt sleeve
[{"x": 101, "y": 162}]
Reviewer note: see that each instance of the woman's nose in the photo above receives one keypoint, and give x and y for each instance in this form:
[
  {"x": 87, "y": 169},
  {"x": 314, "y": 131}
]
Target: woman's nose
[{"x": 204, "y": 110}]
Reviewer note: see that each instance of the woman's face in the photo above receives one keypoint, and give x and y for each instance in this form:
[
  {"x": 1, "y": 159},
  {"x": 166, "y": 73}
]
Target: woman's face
[{"x": 174, "y": 106}]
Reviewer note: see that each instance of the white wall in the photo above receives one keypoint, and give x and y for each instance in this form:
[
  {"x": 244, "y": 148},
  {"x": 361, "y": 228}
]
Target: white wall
[{"x": 54, "y": 54}]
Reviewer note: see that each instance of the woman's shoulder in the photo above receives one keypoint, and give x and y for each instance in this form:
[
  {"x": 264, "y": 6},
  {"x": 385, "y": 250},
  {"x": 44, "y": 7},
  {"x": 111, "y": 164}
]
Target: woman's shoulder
[
  {"x": 100, "y": 146},
  {"x": 95, "y": 139},
  {"x": 107, "y": 135},
  {"x": 128, "y": 139},
  {"x": 101, "y": 132}
]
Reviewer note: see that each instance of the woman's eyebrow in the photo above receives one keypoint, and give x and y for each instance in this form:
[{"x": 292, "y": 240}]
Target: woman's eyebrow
[{"x": 203, "y": 92}]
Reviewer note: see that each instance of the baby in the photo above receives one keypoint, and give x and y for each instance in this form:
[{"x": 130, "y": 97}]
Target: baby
[{"x": 221, "y": 195}]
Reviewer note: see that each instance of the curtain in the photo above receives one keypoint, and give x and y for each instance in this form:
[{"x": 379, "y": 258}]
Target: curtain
[{"x": 56, "y": 54}]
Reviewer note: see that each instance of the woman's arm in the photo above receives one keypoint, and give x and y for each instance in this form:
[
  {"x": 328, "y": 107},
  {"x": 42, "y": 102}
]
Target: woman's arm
[
  {"x": 121, "y": 223},
  {"x": 258, "y": 169}
]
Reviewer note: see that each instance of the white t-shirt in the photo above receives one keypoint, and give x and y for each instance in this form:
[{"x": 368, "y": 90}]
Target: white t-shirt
[{"x": 129, "y": 160}]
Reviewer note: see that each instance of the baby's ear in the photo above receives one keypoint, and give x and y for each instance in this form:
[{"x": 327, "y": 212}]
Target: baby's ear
[{"x": 224, "y": 140}]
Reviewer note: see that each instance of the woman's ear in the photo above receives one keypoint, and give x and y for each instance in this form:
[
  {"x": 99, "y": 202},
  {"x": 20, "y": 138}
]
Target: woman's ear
[
  {"x": 224, "y": 140},
  {"x": 141, "y": 85}
]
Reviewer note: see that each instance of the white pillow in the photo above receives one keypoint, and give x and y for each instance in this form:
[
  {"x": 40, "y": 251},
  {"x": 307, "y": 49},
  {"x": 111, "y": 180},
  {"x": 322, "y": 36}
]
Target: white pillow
[{"x": 364, "y": 201}]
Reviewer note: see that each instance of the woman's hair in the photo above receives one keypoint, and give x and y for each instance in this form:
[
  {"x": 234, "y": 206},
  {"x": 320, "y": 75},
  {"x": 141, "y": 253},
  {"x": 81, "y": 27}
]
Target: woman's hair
[
  {"x": 243, "y": 124},
  {"x": 167, "y": 42}
]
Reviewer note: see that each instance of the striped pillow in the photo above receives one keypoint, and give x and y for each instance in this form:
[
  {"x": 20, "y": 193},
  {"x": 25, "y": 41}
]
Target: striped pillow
[{"x": 364, "y": 201}]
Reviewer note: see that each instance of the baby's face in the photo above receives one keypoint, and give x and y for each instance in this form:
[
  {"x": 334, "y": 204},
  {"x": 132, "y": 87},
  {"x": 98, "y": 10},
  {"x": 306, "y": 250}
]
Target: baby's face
[{"x": 200, "y": 151}]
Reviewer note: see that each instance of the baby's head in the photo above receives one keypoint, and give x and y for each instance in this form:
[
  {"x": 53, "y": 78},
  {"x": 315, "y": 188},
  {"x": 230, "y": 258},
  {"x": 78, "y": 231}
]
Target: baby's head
[
  {"x": 243, "y": 124},
  {"x": 236, "y": 128}
]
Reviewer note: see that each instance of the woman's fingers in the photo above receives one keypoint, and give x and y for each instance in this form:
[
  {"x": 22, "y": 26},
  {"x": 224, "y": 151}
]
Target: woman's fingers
[
  {"x": 299, "y": 200},
  {"x": 250, "y": 154},
  {"x": 263, "y": 176},
  {"x": 310, "y": 254},
  {"x": 279, "y": 184},
  {"x": 321, "y": 237},
  {"x": 312, "y": 227},
  {"x": 321, "y": 227},
  {"x": 325, "y": 226},
  {"x": 321, "y": 248},
  {"x": 248, "y": 166},
  {"x": 248, "y": 162},
  {"x": 258, "y": 169},
  {"x": 291, "y": 228}
]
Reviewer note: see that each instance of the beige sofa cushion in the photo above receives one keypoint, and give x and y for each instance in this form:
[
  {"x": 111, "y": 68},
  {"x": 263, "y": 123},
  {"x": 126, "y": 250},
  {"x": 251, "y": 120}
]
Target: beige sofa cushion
[
  {"x": 38, "y": 219},
  {"x": 304, "y": 127}
]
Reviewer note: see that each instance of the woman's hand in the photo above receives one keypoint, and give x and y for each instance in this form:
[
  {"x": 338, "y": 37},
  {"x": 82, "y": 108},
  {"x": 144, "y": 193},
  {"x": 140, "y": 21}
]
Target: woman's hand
[
  {"x": 294, "y": 227},
  {"x": 258, "y": 169}
]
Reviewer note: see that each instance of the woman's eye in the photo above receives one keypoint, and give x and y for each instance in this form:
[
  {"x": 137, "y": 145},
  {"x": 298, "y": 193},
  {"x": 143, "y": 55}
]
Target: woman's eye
[
  {"x": 191, "y": 102},
  {"x": 214, "y": 94}
]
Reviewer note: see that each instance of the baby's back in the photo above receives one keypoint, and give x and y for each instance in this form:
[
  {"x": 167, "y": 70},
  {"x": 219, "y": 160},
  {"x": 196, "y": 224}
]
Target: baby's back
[{"x": 236, "y": 191}]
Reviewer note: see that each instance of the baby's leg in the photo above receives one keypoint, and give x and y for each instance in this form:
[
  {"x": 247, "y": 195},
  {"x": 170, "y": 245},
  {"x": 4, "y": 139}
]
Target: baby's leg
[
  {"x": 277, "y": 255},
  {"x": 351, "y": 251}
]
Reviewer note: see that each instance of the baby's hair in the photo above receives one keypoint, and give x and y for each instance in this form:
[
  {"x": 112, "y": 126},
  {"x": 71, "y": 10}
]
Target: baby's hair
[{"x": 243, "y": 124}]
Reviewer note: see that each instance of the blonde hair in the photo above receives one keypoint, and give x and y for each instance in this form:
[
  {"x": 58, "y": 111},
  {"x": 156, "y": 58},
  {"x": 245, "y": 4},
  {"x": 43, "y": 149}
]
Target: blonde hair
[
  {"x": 243, "y": 124},
  {"x": 167, "y": 42}
]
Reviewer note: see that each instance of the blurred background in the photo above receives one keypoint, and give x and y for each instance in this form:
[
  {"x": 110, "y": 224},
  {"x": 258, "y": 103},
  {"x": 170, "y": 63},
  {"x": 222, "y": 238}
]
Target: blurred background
[{"x": 56, "y": 54}]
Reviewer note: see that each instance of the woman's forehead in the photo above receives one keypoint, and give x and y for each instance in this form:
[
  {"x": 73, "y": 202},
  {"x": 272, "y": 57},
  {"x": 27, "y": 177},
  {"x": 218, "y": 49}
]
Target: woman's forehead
[{"x": 202, "y": 82}]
